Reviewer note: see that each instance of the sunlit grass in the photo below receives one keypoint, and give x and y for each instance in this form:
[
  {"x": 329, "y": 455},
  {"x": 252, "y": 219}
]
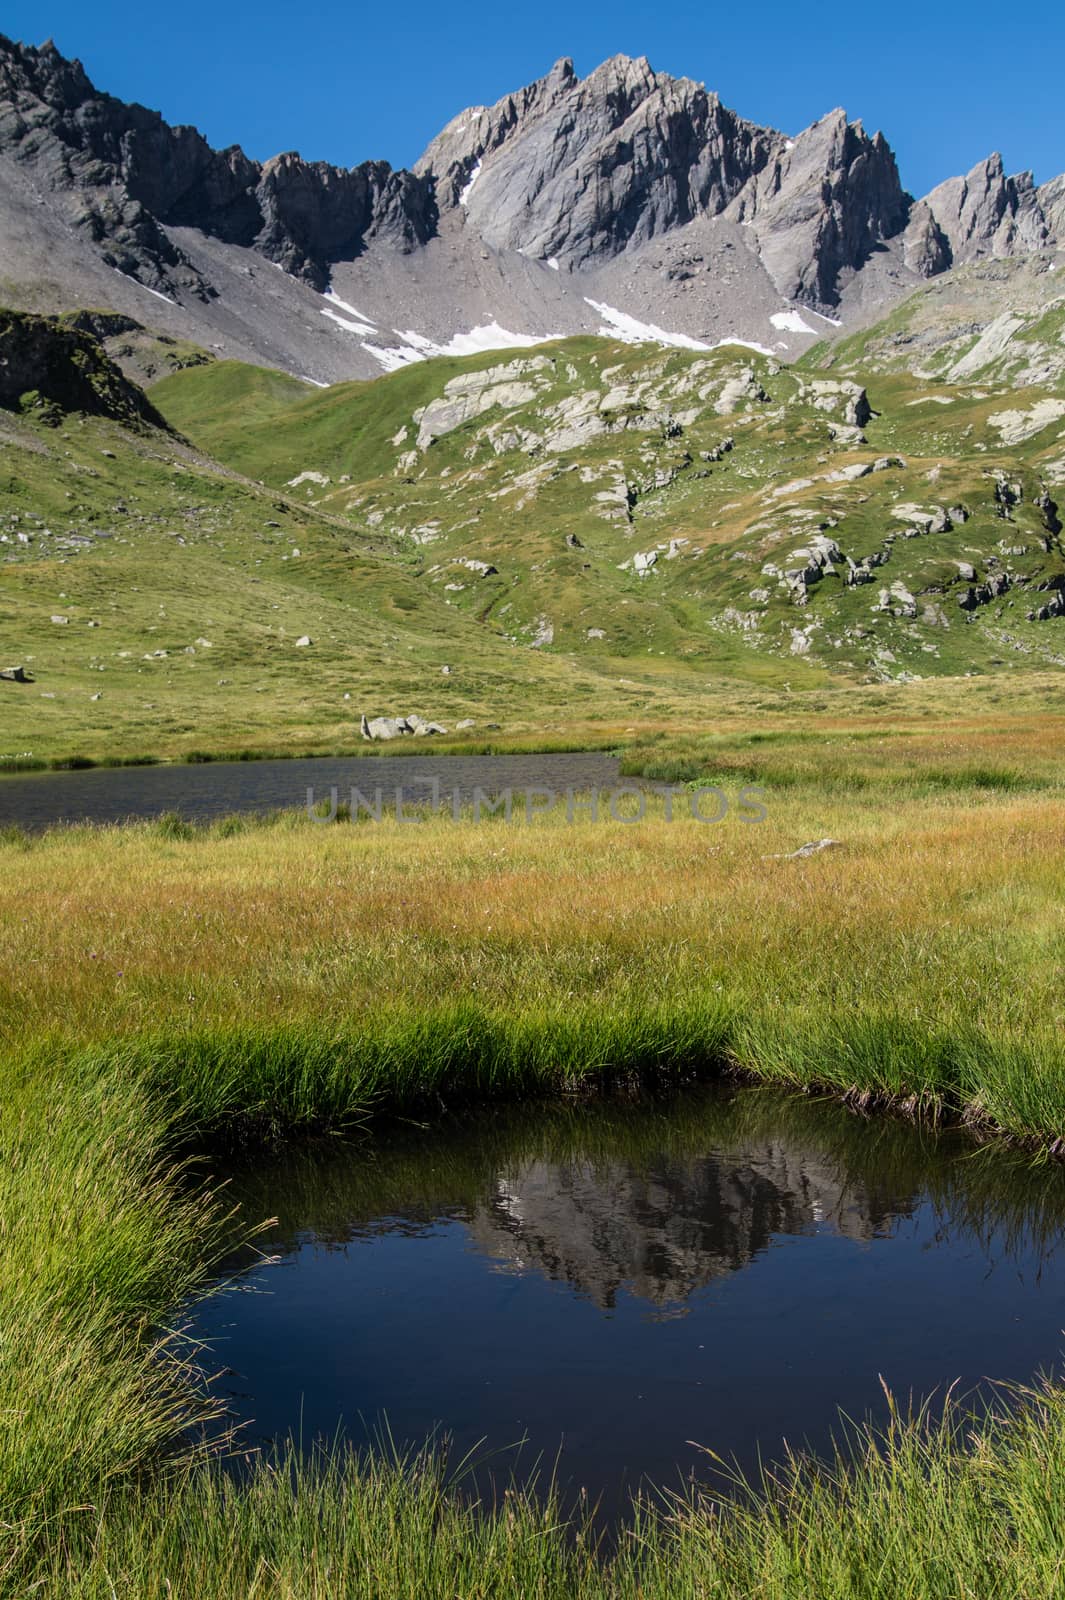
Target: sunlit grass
[{"x": 298, "y": 971}]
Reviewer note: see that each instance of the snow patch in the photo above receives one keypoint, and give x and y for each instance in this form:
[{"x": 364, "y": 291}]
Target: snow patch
[
  {"x": 392, "y": 359},
  {"x": 467, "y": 188},
  {"x": 552, "y": 262},
  {"x": 833, "y": 322},
  {"x": 157, "y": 293},
  {"x": 789, "y": 144},
  {"x": 418, "y": 340},
  {"x": 362, "y": 329},
  {"x": 334, "y": 299},
  {"x": 317, "y": 383},
  {"x": 490, "y": 336},
  {"x": 631, "y": 331},
  {"x": 791, "y": 322}
]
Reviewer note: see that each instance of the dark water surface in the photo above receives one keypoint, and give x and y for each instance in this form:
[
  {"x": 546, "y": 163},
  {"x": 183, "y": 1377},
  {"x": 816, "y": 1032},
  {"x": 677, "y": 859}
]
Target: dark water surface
[
  {"x": 622, "y": 1280},
  {"x": 220, "y": 788}
]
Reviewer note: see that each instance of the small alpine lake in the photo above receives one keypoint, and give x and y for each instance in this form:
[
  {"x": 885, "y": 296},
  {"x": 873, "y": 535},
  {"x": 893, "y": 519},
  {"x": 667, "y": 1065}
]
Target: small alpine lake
[
  {"x": 619, "y": 1284},
  {"x": 202, "y": 792}
]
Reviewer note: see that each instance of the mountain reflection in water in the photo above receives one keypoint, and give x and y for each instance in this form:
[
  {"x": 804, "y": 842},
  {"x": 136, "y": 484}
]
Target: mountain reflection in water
[{"x": 732, "y": 1266}]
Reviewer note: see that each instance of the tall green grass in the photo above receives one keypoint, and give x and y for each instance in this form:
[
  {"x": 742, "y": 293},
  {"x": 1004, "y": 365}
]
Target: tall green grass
[
  {"x": 235, "y": 1083},
  {"x": 941, "y": 1509},
  {"x": 100, "y": 1243}
]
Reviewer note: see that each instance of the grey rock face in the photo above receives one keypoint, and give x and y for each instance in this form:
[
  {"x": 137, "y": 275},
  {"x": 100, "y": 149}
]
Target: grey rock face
[
  {"x": 1051, "y": 200},
  {"x": 312, "y": 214},
  {"x": 579, "y": 168},
  {"x": 988, "y": 213},
  {"x": 663, "y": 213},
  {"x": 824, "y": 204},
  {"x": 926, "y": 248},
  {"x": 128, "y": 175}
]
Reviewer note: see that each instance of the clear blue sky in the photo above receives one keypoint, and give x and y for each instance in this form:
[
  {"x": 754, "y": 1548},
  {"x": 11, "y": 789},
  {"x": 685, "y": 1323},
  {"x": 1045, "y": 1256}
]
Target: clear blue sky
[{"x": 947, "y": 82}]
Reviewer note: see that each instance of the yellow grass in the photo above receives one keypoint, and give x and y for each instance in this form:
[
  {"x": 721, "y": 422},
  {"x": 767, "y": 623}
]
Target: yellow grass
[{"x": 946, "y": 911}]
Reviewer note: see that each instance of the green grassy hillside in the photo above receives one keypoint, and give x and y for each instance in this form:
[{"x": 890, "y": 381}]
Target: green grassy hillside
[
  {"x": 558, "y": 468},
  {"x": 595, "y": 539}
]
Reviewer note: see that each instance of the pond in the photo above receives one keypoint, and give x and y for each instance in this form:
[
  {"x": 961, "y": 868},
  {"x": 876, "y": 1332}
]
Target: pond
[
  {"x": 221, "y": 788},
  {"x": 620, "y": 1284}
]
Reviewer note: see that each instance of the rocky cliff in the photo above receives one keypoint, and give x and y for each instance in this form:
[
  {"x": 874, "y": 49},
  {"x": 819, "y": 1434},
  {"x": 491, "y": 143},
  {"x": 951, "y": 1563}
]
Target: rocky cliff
[
  {"x": 575, "y": 170},
  {"x": 629, "y": 200},
  {"x": 128, "y": 176}
]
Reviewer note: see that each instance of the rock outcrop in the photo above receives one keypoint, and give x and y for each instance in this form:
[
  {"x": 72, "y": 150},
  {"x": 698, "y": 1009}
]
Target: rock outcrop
[
  {"x": 828, "y": 200},
  {"x": 988, "y": 213},
  {"x": 48, "y": 368}
]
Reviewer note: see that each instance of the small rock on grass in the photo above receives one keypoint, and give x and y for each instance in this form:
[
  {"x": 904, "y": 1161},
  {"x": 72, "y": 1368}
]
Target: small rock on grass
[{"x": 804, "y": 850}]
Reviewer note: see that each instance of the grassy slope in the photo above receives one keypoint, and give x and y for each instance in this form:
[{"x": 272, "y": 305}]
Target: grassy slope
[
  {"x": 709, "y": 610},
  {"x": 162, "y": 548},
  {"x": 940, "y": 325}
]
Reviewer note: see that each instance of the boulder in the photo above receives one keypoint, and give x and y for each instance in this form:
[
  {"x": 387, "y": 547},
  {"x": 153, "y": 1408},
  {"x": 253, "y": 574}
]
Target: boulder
[
  {"x": 484, "y": 569},
  {"x": 385, "y": 728},
  {"x": 380, "y": 728},
  {"x": 897, "y": 600}
]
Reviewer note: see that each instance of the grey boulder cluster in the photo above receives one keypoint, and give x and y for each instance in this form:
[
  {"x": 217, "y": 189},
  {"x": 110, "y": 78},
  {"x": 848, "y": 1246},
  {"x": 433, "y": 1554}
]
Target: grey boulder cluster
[{"x": 381, "y": 729}]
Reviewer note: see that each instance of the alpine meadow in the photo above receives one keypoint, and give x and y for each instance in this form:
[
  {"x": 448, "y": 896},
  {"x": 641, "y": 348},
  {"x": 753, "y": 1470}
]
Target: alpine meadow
[{"x": 615, "y": 1151}]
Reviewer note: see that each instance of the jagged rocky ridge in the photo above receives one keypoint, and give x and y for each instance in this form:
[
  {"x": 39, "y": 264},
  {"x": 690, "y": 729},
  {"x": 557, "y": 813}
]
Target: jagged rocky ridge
[
  {"x": 579, "y": 169},
  {"x": 629, "y": 195},
  {"x": 128, "y": 176}
]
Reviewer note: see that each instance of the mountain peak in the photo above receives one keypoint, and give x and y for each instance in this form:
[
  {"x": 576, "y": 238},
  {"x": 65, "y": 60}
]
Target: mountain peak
[{"x": 627, "y": 199}]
